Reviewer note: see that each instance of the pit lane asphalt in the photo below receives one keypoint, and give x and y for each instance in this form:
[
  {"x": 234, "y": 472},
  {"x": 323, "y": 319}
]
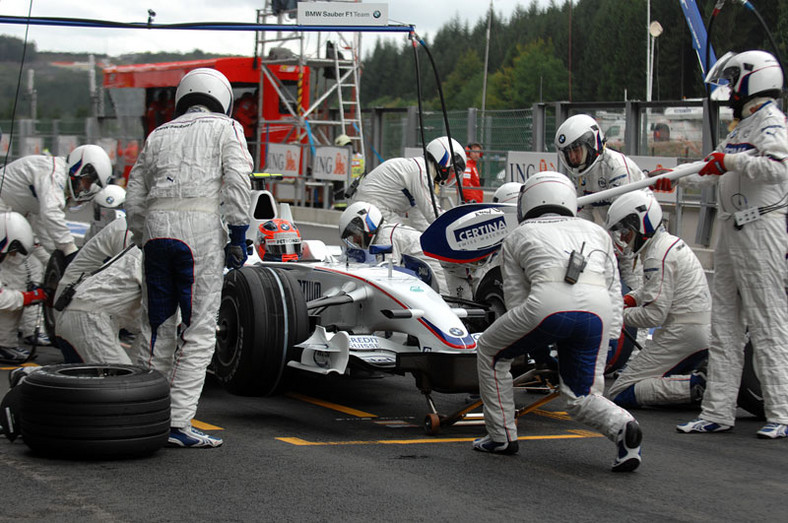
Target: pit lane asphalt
[{"x": 297, "y": 458}]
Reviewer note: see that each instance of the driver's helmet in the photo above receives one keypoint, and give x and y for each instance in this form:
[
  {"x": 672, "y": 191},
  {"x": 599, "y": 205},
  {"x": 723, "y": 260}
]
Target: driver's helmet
[
  {"x": 439, "y": 152},
  {"x": 89, "y": 170},
  {"x": 278, "y": 240},
  {"x": 16, "y": 235},
  {"x": 632, "y": 219},
  {"x": 746, "y": 75},
  {"x": 580, "y": 143},
  {"x": 359, "y": 224}
]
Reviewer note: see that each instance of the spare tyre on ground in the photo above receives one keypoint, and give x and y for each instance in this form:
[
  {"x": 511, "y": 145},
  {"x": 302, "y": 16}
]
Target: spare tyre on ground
[{"x": 93, "y": 411}]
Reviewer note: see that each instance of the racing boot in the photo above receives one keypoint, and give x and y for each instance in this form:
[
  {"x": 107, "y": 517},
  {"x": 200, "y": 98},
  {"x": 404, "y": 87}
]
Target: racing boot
[
  {"x": 190, "y": 437},
  {"x": 700, "y": 425},
  {"x": 14, "y": 355},
  {"x": 773, "y": 431},
  {"x": 486, "y": 444},
  {"x": 628, "y": 443}
]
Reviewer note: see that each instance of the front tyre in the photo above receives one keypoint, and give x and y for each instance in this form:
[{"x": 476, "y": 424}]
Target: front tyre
[
  {"x": 262, "y": 315},
  {"x": 750, "y": 395}
]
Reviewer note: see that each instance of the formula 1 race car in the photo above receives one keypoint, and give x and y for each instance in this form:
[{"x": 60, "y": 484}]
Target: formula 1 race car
[{"x": 327, "y": 316}]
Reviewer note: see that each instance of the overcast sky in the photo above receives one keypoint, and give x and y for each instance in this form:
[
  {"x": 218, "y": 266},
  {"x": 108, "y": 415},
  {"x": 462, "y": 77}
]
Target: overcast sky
[{"x": 426, "y": 15}]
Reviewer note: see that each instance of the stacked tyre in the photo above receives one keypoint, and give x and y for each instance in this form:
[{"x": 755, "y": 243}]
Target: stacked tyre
[{"x": 94, "y": 411}]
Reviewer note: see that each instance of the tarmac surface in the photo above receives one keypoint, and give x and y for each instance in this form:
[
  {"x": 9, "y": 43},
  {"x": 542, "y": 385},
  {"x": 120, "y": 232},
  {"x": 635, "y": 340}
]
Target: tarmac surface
[{"x": 355, "y": 450}]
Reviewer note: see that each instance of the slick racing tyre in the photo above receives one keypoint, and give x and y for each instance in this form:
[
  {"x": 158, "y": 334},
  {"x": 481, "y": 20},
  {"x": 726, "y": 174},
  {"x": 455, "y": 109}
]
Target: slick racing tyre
[
  {"x": 52, "y": 274},
  {"x": 750, "y": 395},
  {"x": 94, "y": 411},
  {"x": 262, "y": 315},
  {"x": 490, "y": 293}
]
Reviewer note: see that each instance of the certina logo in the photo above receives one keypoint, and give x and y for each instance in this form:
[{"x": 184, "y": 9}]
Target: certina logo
[{"x": 486, "y": 232}]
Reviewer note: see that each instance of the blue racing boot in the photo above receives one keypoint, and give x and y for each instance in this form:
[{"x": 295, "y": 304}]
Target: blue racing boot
[
  {"x": 628, "y": 443},
  {"x": 192, "y": 438}
]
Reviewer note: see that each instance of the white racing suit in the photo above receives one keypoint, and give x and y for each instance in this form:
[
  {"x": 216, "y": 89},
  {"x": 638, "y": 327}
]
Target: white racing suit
[
  {"x": 613, "y": 169},
  {"x": 749, "y": 269},
  {"x": 396, "y": 187},
  {"x": 17, "y": 273},
  {"x": 103, "y": 304},
  {"x": 675, "y": 297},
  {"x": 34, "y": 186},
  {"x": 543, "y": 309},
  {"x": 407, "y": 240},
  {"x": 190, "y": 180},
  {"x": 110, "y": 241}
]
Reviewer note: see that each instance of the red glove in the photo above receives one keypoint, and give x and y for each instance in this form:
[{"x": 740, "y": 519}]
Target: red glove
[
  {"x": 32, "y": 297},
  {"x": 663, "y": 185},
  {"x": 715, "y": 164},
  {"x": 629, "y": 301}
]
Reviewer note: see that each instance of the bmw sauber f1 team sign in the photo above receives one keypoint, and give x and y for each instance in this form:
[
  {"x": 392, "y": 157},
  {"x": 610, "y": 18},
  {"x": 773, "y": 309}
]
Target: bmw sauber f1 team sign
[
  {"x": 342, "y": 13},
  {"x": 469, "y": 232}
]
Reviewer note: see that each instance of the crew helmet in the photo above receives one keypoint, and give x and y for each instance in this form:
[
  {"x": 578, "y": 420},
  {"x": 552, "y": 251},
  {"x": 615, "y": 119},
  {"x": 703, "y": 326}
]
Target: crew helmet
[
  {"x": 507, "y": 193},
  {"x": 439, "y": 152},
  {"x": 204, "y": 86},
  {"x": 746, "y": 75},
  {"x": 89, "y": 170},
  {"x": 579, "y": 142},
  {"x": 632, "y": 219},
  {"x": 546, "y": 192},
  {"x": 110, "y": 197},
  {"x": 359, "y": 224},
  {"x": 278, "y": 240},
  {"x": 108, "y": 202},
  {"x": 16, "y": 235},
  {"x": 342, "y": 140}
]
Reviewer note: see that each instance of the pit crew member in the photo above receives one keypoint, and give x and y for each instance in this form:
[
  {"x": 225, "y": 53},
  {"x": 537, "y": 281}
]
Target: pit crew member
[
  {"x": 560, "y": 287},
  {"x": 750, "y": 169},
  {"x": 189, "y": 185},
  {"x": 674, "y": 297}
]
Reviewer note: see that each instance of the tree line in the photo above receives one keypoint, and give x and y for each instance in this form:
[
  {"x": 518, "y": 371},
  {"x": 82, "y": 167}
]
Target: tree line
[{"x": 585, "y": 50}]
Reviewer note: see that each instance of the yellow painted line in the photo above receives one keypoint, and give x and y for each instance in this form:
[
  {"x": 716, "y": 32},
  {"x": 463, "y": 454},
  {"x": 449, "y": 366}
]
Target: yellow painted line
[
  {"x": 332, "y": 406},
  {"x": 574, "y": 434},
  {"x": 552, "y": 414},
  {"x": 205, "y": 426},
  {"x": 23, "y": 365}
]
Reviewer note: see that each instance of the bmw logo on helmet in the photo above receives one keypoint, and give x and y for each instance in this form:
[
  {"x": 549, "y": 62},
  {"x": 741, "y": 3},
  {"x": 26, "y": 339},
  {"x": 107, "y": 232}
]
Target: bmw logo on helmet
[
  {"x": 562, "y": 138},
  {"x": 110, "y": 200}
]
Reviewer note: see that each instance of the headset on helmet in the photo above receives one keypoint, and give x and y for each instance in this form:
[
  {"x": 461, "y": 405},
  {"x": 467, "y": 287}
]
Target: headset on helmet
[
  {"x": 579, "y": 142},
  {"x": 89, "y": 170},
  {"x": 15, "y": 234},
  {"x": 746, "y": 75},
  {"x": 278, "y": 240},
  {"x": 507, "y": 193},
  {"x": 439, "y": 152},
  {"x": 546, "y": 192},
  {"x": 632, "y": 220},
  {"x": 359, "y": 224},
  {"x": 204, "y": 86}
]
